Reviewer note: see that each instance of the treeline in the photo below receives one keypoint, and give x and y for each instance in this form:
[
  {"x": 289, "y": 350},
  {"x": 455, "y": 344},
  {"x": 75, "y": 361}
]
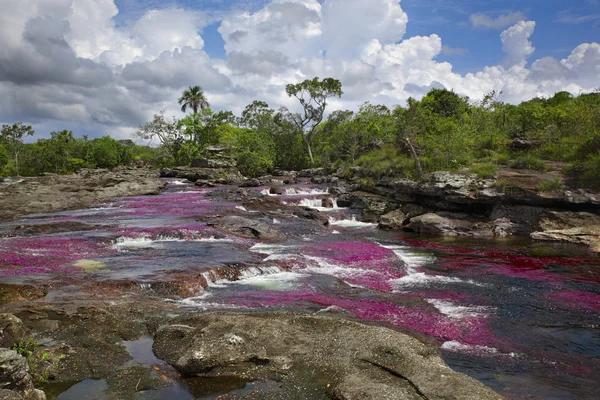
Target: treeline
[
  {"x": 63, "y": 153},
  {"x": 442, "y": 131}
]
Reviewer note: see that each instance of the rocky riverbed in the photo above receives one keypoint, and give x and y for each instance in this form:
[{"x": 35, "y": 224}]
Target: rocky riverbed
[{"x": 284, "y": 287}]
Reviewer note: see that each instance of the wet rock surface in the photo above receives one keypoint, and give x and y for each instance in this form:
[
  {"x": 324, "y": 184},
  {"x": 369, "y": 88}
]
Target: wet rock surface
[
  {"x": 246, "y": 227},
  {"x": 313, "y": 357},
  {"x": 66, "y": 192}
]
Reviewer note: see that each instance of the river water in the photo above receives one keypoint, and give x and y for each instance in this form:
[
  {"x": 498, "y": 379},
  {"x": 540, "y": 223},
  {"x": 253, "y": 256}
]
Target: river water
[{"x": 520, "y": 316}]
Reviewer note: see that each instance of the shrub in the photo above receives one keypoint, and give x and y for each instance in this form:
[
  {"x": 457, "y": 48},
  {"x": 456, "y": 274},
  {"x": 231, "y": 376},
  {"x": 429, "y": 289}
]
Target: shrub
[{"x": 551, "y": 185}]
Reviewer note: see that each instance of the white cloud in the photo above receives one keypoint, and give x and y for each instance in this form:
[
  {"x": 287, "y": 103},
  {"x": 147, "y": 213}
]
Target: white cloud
[
  {"x": 516, "y": 44},
  {"x": 67, "y": 63},
  {"x": 481, "y": 20}
]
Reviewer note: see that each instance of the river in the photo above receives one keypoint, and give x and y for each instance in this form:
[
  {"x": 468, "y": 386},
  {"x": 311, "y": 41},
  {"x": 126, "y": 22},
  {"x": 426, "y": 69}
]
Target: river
[{"x": 522, "y": 317}]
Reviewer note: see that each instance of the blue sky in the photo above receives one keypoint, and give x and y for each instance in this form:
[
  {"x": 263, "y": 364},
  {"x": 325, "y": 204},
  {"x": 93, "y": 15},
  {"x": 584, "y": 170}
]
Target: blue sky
[
  {"x": 107, "y": 66},
  {"x": 560, "y": 25}
]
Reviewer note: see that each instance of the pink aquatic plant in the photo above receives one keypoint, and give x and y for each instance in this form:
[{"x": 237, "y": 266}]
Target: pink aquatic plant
[{"x": 21, "y": 256}]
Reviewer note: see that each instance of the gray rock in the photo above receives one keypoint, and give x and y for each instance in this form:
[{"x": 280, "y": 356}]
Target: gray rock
[
  {"x": 314, "y": 357},
  {"x": 277, "y": 190},
  {"x": 448, "y": 224},
  {"x": 12, "y": 330},
  {"x": 309, "y": 173},
  {"x": 571, "y": 227},
  {"x": 67, "y": 192},
  {"x": 246, "y": 227},
  {"x": 251, "y": 183},
  {"x": 210, "y": 163},
  {"x": 526, "y": 219},
  {"x": 14, "y": 371},
  {"x": 392, "y": 220}
]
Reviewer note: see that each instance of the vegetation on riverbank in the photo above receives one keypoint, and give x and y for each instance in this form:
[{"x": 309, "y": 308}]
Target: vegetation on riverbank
[{"x": 442, "y": 131}]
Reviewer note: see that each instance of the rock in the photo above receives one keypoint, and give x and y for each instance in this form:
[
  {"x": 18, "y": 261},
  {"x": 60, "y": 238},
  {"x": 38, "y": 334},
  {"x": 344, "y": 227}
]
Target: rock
[
  {"x": 11, "y": 330},
  {"x": 204, "y": 183},
  {"x": 522, "y": 144},
  {"x": 309, "y": 213},
  {"x": 248, "y": 228},
  {"x": 66, "y": 192},
  {"x": 319, "y": 180},
  {"x": 313, "y": 356},
  {"x": 328, "y": 202},
  {"x": 448, "y": 224},
  {"x": 251, "y": 183},
  {"x": 503, "y": 227},
  {"x": 14, "y": 372},
  {"x": 572, "y": 227},
  {"x": 392, "y": 220},
  {"x": 371, "y": 204},
  {"x": 525, "y": 219},
  {"x": 413, "y": 210},
  {"x": 277, "y": 190},
  {"x": 10, "y": 395},
  {"x": 309, "y": 173},
  {"x": 10, "y": 293},
  {"x": 209, "y": 163}
]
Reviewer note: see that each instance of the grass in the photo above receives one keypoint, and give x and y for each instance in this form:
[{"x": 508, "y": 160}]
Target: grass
[
  {"x": 551, "y": 185},
  {"x": 528, "y": 161},
  {"x": 484, "y": 170}
]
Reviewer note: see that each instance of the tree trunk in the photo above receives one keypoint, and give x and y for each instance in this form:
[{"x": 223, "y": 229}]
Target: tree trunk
[
  {"x": 308, "y": 148},
  {"x": 413, "y": 152}
]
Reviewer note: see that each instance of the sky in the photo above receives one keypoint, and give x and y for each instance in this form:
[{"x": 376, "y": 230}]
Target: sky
[{"x": 100, "y": 67}]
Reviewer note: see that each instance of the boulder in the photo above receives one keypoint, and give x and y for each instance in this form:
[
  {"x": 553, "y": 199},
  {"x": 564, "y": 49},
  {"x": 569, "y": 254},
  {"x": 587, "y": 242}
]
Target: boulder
[
  {"x": 11, "y": 330},
  {"x": 448, "y": 224},
  {"x": 523, "y": 144},
  {"x": 277, "y": 190},
  {"x": 371, "y": 204},
  {"x": 392, "y": 220},
  {"x": 246, "y": 227},
  {"x": 525, "y": 219},
  {"x": 251, "y": 183},
  {"x": 309, "y": 173},
  {"x": 313, "y": 356},
  {"x": 204, "y": 183},
  {"x": 572, "y": 227},
  {"x": 328, "y": 202},
  {"x": 15, "y": 379}
]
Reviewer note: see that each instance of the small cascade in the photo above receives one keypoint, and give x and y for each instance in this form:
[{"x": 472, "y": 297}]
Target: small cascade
[
  {"x": 312, "y": 203},
  {"x": 305, "y": 192},
  {"x": 350, "y": 223}
]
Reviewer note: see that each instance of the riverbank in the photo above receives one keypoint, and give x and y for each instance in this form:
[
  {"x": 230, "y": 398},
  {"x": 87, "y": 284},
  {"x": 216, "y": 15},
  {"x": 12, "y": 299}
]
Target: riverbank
[{"x": 52, "y": 193}]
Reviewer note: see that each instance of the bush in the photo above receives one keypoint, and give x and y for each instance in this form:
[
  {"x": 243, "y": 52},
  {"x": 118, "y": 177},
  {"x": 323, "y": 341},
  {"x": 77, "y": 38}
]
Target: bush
[
  {"x": 551, "y": 185},
  {"x": 587, "y": 172},
  {"x": 528, "y": 161},
  {"x": 484, "y": 170}
]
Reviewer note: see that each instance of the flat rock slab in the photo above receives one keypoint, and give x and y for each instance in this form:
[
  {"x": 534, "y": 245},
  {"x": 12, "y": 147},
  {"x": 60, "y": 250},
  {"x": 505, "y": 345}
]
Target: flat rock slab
[{"x": 316, "y": 357}]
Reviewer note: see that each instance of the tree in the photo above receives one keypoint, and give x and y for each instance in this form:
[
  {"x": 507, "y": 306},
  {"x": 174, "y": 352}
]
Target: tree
[
  {"x": 312, "y": 95},
  {"x": 169, "y": 134},
  {"x": 12, "y": 136},
  {"x": 193, "y": 98}
]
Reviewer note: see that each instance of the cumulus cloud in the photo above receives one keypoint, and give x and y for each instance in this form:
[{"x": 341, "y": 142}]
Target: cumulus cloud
[
  {"x": 481, "y": 20},
  {"x": 516, "y": 44},
  {"x": 66, "y": 63}
]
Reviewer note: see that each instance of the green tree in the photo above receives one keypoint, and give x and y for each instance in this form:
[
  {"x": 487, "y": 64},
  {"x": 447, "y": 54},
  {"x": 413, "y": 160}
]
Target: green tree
[
  {"x": 4, "y": 158},
  {"x": 312, "y": 95},
  {"x": 12, "y": 137},
  {"x": 170, "y": 134},
  {"x": 193, "y": 98}
]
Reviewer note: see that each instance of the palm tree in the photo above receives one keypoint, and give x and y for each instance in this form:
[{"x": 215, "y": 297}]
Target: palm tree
[{"x": 193, "y": 98}]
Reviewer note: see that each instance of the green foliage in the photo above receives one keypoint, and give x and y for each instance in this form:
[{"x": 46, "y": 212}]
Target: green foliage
[
  {"x": 193, "y": 98},
  {"x": 484, "y": 170},
  {"x": 254, "y": 151},
  {"x": 312, "y": 95},
  {"x": 551, "y": 185},
  {"x": 386, "y": 161},
  {"x": 528, "y": 161},
  {"x": 26, "y": 347}
]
